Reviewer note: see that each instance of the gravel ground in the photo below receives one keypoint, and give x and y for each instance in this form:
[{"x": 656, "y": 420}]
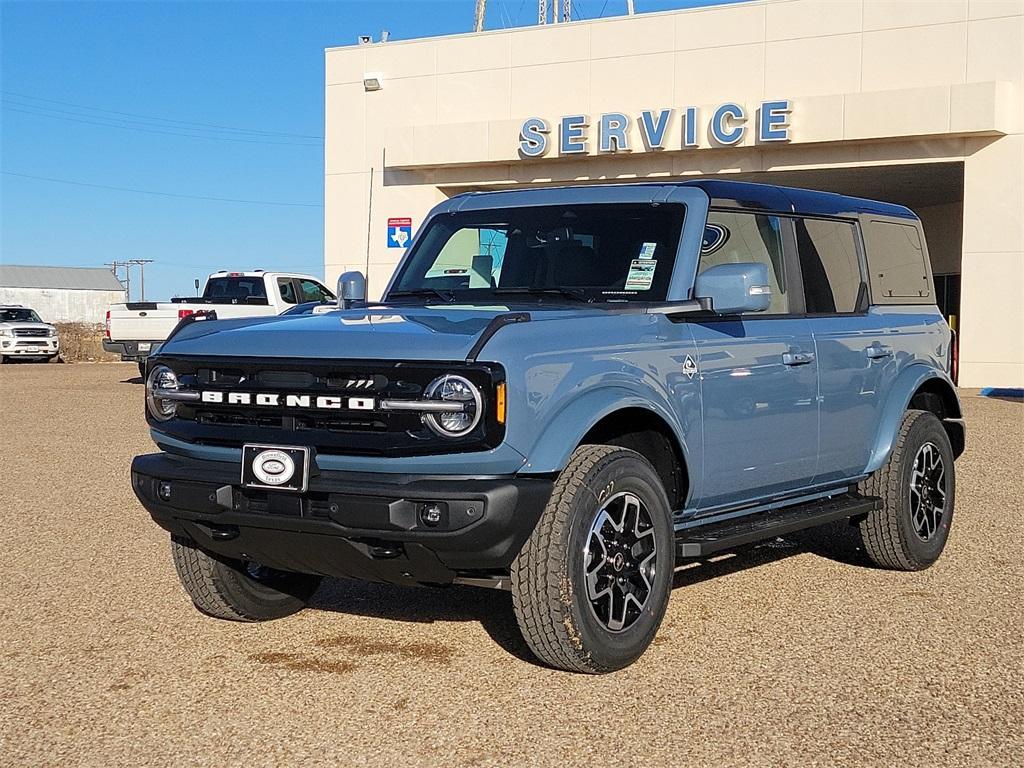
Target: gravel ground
[{"x": 797, "y": 654}]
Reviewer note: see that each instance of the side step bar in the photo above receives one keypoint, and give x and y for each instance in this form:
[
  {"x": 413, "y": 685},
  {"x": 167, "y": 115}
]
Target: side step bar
[{"x": 704, "y": 540}]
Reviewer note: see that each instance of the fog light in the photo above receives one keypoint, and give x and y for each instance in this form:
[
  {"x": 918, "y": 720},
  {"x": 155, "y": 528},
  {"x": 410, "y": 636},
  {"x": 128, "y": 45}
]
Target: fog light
[
  {"x": 431, "y": 514},
  {"x": 164, "y": 490}
]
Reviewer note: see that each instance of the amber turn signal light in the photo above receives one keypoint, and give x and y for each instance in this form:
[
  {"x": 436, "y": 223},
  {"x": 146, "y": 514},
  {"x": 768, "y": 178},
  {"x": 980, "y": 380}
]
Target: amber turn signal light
[{"x": 500, "y": 403}]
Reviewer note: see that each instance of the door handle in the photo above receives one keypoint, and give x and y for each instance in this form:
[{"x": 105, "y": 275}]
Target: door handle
[
  {"x": 797, "y": 358},
  {"x": 878, "y": 351}
]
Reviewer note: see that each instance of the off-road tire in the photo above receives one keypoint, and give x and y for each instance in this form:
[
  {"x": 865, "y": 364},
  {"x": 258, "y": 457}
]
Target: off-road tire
[
  {"x": 223, "y": 588},
  {"x": 548, "y": 585},
  {"x": 888, "y": 533}
]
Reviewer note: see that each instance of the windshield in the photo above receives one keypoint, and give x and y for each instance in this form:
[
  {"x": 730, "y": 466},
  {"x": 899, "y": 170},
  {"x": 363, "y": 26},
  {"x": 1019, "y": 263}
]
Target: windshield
[
  {"x": 18, "y": 315},
  {"x": 241, "y": 288},
  {"x": 591, "y": 253}
]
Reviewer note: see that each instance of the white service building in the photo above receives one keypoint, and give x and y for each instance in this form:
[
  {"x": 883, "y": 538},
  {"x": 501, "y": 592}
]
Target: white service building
[
  {"x": 918, "y": 103},
  {"x": 61, "y": 294}
]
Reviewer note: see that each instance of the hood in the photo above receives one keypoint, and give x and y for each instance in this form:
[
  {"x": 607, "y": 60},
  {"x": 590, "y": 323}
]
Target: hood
[
  {"x": 24, "y": 324},
  {"x": 378, "y": 333}
]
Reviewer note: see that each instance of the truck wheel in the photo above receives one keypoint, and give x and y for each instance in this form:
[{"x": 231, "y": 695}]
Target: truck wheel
[
  {"x": 591, "y": 585},
  {"x": 917, "y": 486},
  {"x": 238, "y": 590}
]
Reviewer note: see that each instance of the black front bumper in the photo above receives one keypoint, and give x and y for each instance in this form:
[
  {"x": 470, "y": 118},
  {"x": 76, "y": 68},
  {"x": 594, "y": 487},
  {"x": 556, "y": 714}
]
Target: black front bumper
[{"x": 348, "y": 524}]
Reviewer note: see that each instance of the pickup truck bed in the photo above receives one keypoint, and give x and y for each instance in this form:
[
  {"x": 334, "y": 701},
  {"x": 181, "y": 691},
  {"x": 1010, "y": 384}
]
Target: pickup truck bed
[{"x": 133, "y": 329}]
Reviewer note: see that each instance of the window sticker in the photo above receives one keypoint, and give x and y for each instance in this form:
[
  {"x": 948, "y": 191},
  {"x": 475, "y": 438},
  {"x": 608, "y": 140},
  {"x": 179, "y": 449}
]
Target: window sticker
[
  {"x": 647, "y": 250},
  {"x": 641, "y": 274}
]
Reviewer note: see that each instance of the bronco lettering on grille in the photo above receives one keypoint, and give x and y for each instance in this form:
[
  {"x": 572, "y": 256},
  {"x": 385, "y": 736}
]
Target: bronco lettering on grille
[{"x": 274, "y": 400}]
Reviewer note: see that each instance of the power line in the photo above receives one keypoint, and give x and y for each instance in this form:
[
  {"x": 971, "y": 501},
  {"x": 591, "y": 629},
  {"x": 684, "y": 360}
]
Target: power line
[
  {"x": 160, "y": 194},
  {"x": 160, "y": 119},
  {"x": 98, "y": 120},
  {"x": 119, "y": 120}
]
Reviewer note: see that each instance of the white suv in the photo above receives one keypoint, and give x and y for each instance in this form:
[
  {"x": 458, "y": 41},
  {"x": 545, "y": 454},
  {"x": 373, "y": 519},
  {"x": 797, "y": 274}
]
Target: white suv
[{"x": 23, "y": 334}]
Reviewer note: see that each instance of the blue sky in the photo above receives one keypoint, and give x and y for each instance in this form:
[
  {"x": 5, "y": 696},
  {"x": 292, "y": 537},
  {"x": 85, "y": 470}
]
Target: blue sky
[{"x": 203, "y": 100}]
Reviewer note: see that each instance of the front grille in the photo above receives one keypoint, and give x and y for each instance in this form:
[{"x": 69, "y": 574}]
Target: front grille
[
  {"x": 349, "y": 430},
  {"x": 244, "y": 418},
  {"x": 29, "y": 344},
  {"x": 31, "y": 332}
]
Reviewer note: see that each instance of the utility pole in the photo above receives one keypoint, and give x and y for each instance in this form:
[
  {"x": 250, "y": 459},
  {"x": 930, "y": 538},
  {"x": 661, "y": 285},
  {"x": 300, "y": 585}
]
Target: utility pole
[
  {"x": 566, "y": 10},
  {"x": 542, "y": 11},
  {"x": 630, "y": 10},
  {"x": 478, "y": 16},
  {"x": 142, "y": 274},
  {"x": 127, "y": 282}
]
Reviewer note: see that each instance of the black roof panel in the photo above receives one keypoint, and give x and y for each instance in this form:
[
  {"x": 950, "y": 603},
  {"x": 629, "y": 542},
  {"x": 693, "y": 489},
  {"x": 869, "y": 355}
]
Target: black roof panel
[{"x": 792, "y": 199}]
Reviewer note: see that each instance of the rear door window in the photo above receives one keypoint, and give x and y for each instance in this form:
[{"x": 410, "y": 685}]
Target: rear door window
[
  {"x": 829, "y": 265},
  {"x": 743, "y": 238},
  {"x": 287, "y": 289}
]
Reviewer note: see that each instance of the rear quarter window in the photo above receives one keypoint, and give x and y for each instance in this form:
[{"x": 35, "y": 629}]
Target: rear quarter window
[{"x": 898, "y": 263}]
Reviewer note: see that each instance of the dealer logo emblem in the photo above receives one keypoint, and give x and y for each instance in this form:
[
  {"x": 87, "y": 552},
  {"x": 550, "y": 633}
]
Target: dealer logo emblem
[{"x": 273, "y": 467}]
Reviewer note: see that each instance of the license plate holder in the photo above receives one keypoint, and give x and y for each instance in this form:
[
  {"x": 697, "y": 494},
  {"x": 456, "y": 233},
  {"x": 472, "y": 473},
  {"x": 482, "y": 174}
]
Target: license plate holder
[{"x": 275, "y": 467}]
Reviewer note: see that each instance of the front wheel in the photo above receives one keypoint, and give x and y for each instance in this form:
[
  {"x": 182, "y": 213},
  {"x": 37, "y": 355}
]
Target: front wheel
[
  {"x": 239, "y": 590},
  {"x": 592, "y": 583},
  {"x": 917, "y": 486}
]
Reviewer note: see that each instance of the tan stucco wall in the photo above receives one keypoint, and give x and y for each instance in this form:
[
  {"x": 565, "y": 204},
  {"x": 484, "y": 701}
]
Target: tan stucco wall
[{"x": 871, "y": 83}]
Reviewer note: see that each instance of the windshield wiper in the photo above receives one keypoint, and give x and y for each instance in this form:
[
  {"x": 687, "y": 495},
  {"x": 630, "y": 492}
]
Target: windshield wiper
[
  {"x": 573, "y": 293},
  {"x": 446, "y": 296}
]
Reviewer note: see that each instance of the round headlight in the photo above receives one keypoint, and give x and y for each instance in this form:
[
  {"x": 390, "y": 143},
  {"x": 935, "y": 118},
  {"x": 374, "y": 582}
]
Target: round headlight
[
  {"x": 456, "y": 389},
  {"x": 161, "y": 377}
]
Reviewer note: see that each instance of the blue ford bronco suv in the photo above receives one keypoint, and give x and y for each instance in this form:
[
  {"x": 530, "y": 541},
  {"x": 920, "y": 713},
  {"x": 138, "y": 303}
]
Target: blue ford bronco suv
[{"x": 565, "y": 393}]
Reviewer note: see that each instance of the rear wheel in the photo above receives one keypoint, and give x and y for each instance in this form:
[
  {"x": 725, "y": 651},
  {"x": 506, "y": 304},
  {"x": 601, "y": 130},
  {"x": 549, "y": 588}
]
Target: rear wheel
[
  {"x": 592, "y": 583},
  {"x": 239, "y": 590},
  {"x": 917, "y": 486}
]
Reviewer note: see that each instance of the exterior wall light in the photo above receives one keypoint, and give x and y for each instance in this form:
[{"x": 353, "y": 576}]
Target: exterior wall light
[{"x": 372, "y": 81}]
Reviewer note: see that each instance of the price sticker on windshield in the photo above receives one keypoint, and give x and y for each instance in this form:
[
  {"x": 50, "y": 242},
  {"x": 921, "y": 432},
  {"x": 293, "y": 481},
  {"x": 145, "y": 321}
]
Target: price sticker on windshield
[{"x": 641, "y": 274}]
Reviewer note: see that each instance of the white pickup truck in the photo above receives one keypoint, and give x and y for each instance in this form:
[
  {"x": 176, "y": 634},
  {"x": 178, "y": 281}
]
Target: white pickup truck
[{"x": 135, "y": 328}]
